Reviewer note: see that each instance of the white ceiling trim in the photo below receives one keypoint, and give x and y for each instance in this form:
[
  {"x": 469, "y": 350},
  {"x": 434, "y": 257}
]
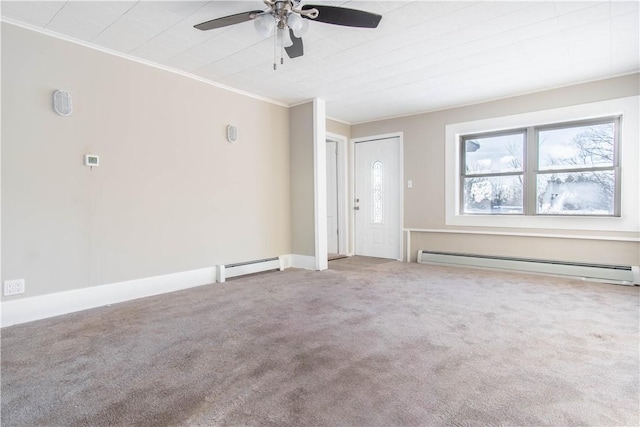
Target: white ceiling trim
[
  {"x": 139, "y": 60},
  {"x": 295, "y": 104},
  {"x": 344, "y": 122}
]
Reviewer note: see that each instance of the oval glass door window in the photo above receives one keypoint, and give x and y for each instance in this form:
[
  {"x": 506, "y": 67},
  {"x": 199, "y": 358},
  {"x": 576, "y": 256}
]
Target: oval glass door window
[{"x": 376, "y": 192}]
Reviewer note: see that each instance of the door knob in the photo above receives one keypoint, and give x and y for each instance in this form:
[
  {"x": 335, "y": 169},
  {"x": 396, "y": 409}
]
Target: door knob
[{"x": 356, "y": 208}]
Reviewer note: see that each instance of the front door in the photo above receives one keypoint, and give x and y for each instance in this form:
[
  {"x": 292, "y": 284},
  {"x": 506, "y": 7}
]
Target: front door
[{"x": 377, "y": 198}]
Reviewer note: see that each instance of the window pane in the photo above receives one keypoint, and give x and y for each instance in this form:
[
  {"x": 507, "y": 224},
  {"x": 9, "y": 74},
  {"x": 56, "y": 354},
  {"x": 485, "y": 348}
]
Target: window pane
[
  {"x": 376, "y": 192},
  {"x": 576, "y": 147},
  {"x": 493, "y": 154},
  {"x": 578, "y": 193},
  {"x": 493, "y": 195}
]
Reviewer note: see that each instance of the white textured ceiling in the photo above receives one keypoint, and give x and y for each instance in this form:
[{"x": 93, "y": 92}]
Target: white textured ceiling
[{"x": 425, "y": 55}]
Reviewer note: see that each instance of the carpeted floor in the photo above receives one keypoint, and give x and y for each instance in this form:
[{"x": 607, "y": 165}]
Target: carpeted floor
[{"x": 366, "y": 343}]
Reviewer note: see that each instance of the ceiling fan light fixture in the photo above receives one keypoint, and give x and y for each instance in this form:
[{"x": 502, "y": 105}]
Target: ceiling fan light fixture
[
  {"x": 284, "y": 38},
  {"x": 265, "y": 25},
  {"x": 303, "y": 30},
  {"x": 297, "y": 24}
]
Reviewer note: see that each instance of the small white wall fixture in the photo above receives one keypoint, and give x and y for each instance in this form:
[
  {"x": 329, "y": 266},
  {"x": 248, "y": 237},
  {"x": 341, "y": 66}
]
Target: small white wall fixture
[
  {"x": 62, "y": 103},
  {"x": 232, "y": 133},
  {"x": 91, "y": 160}
]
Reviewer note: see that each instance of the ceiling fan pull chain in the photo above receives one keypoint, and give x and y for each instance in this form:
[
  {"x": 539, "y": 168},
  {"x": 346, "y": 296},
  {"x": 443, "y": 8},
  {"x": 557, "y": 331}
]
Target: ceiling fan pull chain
[{"x": 275, "y": 43}]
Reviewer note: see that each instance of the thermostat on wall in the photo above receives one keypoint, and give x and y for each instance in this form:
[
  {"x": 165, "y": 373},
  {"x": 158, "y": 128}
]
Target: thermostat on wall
[{"x": 91, "y": 160}]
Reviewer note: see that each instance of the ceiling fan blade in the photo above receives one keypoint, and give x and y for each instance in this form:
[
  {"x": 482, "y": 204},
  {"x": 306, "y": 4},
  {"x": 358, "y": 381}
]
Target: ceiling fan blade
[
  {"x": 343, "y": 16},
  {"x": 296, "y": 49},
  {"x": 228, "y": 20}
]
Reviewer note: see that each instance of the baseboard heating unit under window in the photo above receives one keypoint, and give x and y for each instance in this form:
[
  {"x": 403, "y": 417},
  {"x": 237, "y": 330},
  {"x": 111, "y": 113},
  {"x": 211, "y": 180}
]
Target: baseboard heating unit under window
[
  {"x": 249, "y": 267},
  {"x": 618, "y": 274}
]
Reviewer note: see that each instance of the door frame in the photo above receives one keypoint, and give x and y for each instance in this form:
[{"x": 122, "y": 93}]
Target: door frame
[
  {"x": 342, "y": 167},
  {"x": 352, "y": 219}
]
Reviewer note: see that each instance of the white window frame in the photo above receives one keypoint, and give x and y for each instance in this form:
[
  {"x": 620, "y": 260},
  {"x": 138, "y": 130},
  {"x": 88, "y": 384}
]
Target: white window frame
[{"x": 629, "y": 220}]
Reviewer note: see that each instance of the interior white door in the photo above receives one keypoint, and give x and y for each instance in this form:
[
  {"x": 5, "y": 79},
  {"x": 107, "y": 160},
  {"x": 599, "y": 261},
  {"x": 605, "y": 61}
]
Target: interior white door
[
  {"x": 377, "y": 197},
  {"x": 332, "y": 197}
]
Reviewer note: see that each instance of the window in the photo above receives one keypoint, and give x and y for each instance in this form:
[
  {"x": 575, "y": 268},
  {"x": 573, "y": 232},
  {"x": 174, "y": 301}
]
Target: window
[
  {"x": 562, "y": 169},
  {"x": 493, "y": 173},
  {"x": 577, "y": 169},
  {"x": 624, "y": 113},
  {"x": 376, "y": 192}
]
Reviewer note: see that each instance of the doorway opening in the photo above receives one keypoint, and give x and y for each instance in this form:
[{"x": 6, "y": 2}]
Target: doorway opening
[{"x": 337, "y": 203}]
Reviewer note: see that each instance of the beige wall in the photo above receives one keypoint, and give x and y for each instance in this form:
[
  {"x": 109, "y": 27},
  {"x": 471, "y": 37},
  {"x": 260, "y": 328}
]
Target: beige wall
[
  {"x": 302, "y": 189},
  {"x": 170, "y": 194},
  {"x": 424, "y": 164},
  {"x": 338, "y": 128}
]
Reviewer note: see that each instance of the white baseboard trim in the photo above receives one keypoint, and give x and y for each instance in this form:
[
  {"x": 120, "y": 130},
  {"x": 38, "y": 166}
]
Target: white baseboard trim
[
  {"x": 56, "y": 304},
  {"x": 50, "y": 305},
  {"x": 300, "y": 261}
]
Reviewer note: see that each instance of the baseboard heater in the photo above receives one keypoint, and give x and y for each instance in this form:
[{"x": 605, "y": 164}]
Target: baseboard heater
[
  {"x": 249, "y": 267},
  {"x": 618, "y": 274}
]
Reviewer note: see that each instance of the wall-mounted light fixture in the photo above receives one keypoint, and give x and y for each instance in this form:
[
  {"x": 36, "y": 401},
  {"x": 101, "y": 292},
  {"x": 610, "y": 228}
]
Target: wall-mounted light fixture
[
  {"x": 232, "y": 133},
  {"x": 62, "y": 103}
]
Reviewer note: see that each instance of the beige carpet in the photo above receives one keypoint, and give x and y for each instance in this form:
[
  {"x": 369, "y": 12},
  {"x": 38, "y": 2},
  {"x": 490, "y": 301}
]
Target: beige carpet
[{"x": 362, "y": 344}]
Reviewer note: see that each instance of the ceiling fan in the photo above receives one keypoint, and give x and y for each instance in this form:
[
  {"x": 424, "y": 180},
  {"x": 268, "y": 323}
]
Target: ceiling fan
[{"x": 287, "y": 22}]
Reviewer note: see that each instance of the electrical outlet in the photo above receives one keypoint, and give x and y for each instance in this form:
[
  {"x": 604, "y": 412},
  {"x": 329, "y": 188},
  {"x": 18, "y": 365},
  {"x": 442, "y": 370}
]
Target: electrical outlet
[{"x": 13, "y": 287}]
